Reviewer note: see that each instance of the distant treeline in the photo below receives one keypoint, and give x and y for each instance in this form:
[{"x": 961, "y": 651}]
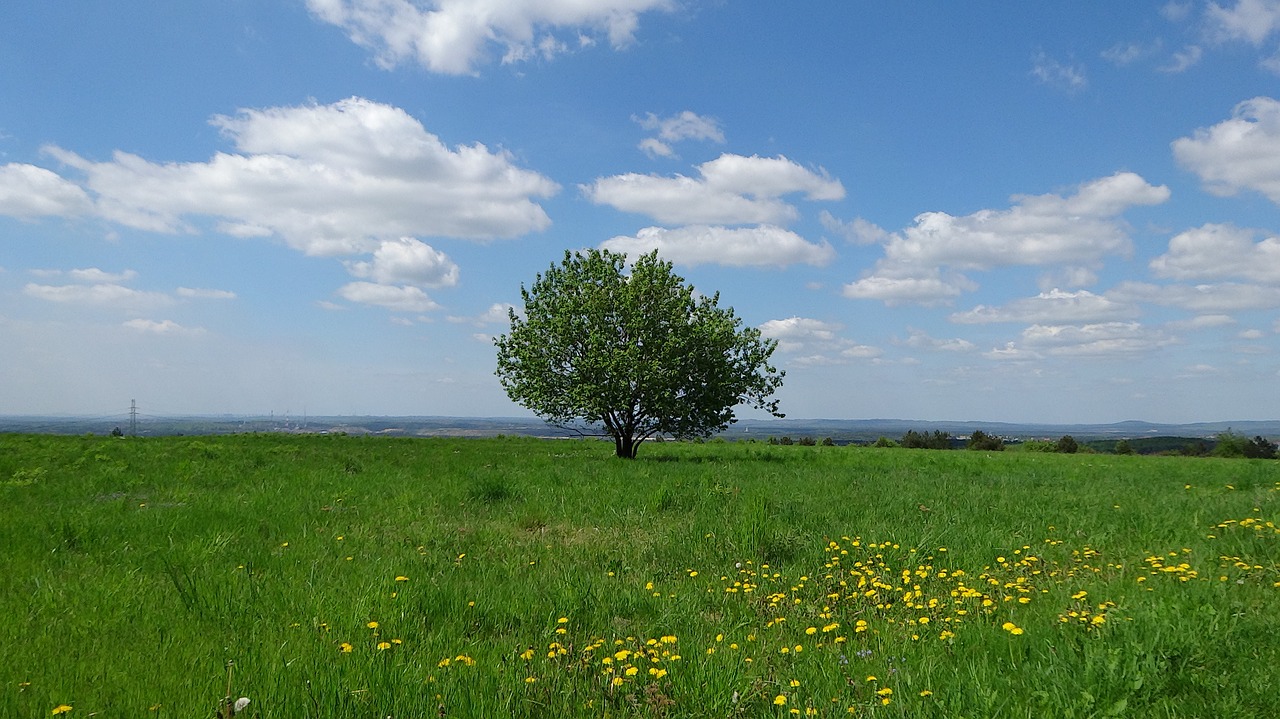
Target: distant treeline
[{"x": 1225, "y": 444}]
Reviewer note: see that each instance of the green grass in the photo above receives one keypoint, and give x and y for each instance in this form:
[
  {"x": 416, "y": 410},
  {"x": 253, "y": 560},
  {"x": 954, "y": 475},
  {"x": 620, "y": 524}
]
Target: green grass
[{"x": 135, "y": 570}]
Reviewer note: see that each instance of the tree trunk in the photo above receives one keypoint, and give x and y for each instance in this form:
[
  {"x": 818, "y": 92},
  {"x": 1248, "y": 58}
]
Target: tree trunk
[{"x": 625, "y": 446}]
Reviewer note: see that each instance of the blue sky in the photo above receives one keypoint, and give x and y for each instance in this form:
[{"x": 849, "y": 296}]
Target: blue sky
[{"x": 1059, "y": 212}]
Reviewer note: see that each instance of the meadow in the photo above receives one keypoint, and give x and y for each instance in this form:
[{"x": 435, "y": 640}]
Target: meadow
[{"x": 332, "y": 576}]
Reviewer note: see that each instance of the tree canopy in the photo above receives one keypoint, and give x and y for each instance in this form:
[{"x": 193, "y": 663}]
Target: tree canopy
[{"x": 634, "y": 355}]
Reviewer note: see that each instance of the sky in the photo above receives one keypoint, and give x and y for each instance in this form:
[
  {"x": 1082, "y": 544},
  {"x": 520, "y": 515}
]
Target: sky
[{"x": 1023, "y": 212}]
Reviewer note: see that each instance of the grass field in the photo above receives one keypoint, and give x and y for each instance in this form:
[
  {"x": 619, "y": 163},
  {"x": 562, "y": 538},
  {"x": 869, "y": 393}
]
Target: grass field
[{"x": 360, "y": 577}]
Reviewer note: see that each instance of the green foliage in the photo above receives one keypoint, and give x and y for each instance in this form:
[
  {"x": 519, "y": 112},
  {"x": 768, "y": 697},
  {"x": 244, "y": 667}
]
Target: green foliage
[
  {"x": 1067, "y": 445},
  {"x": 923, "y": 440},
  {"x": 885, "y": 442},
  {"x": 1229, "y": 444},
  {"x": 1123, "y": 447},
  {"x": 633, "y": 355},
  {"x": 982, "y": 441}
]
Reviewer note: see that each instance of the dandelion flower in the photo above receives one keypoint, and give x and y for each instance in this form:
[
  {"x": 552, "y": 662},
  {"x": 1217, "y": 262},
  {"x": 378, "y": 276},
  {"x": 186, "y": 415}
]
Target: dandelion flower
[
  {"x": 402, "y": 578},
  {"x": 61, "y": 709},
  {"x": 372, "y": 625},
  {"x": 780, "y": 700},
  {"x": 345, "y": 648},
  {"x": 382, "y": 646}
]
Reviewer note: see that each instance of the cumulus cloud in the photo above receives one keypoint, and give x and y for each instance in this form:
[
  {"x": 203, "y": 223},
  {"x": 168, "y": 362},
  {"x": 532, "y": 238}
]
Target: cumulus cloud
[
  {"x": 1241, "y": 153},
  {"x": 161, "y": 327},
  {"x": 1216, "y": 251},
  {"x": 328, "y": 179},
  {"x": 28, "y": 192},
  {"x": 730, "y": 190},
  {"x": 929, "y": 288},
  {"x": 1104, "y": 339},
  {"x": 764, "y": 246},
  {"x": 1183, "y": 60},
  {"x": 1251, "y": 21},
  {"x": 1074, "y": 230},
  {"x": 857, "y": 231},
  {"x": 1205, "y": 298},
  {"x": 397, "y": 299},
  {"x": 687, "y": 125},
  {"x": 919, "y": 339},
  {"x": 815, "y": 342},
  {"x": 456, "y": 36},
  {"x": 496, "y": 314},
  {"x": 205, "y": 294},
  {"x": 96, "y": 295},
  {"x": 407, "y": 261},
  {"x": 1053, "y": 307}
]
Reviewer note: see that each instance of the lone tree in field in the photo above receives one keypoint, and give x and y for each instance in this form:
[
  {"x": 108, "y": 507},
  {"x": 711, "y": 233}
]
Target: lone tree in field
[{"x": 632, "y": 356}]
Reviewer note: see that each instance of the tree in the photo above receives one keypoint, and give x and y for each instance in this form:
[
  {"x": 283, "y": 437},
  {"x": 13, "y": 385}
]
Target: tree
[
  {"x": 982, "y": 441},
  {"x": 632, "y": 356},
  {"x": 1124, "y": 447},
  {"x": 1068, "y": 444}
]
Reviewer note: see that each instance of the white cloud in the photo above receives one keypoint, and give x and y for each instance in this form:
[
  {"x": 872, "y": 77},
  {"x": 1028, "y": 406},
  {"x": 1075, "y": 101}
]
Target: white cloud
[
  {"x": 397, "y": 299},
  {"x": 205, "y": 294},
  {"x": 496, "y": 314},
  {"x": 687, "y": 125},
  {"x": 89, "y": 275},
  {"x": 1242, "y": 153},
  {"x": 1049, "y": 71},
  {"x": 763, "y": 246},
  {"x": 1220, "y": 251},
  {"x": 162, "y": 327},
  {"x": 456, "y": 36},
  {"x": 1124, "y": 53},
  {"x": 1011, "y": 352},
  {"x": 857, "y": 231},
  {"x": 96, "y": 295},
  {"x": 1200, "y": 322},
  {"x": 1097, "y": 340},
  {"x": 819, "y": 341},
  {"x": 1037, "y": 230},
  {"x": 1251, "y": 334},
  {"x": 1252, "y": 21},
  {"x": 1067, "y": 277},
  {"x": 1184, "y": 59},
  {"x": 328, "y": 179},
  {"x": 730, "y": 190},
  {"x": 929, "y": 289},
  {"x": 1072, "y": 231},
  {"x": 28, "y": 192},
  {"x": 919, "y": 339},
  {"x": 1053, "y": 307},
  {"x": 407, "y": 261},
  {"x": 1205, "y": 298}
]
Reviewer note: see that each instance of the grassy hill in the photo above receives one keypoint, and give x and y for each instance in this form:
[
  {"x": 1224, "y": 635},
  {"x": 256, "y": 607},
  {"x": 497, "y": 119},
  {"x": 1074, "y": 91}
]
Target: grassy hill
[{"x": 375, "y": 577}]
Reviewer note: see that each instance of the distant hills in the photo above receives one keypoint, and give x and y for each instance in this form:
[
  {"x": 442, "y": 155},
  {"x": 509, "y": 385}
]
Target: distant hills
[{"x": 842, "y": 431}]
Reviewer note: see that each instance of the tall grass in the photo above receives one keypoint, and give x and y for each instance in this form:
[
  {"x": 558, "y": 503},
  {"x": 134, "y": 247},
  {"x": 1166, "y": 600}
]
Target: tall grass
[{"x": 371, "y": 577}]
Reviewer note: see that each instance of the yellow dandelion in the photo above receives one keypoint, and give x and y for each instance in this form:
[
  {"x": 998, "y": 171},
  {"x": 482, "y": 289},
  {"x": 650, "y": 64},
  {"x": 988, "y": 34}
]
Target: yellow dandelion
[
  {"x": 530, "y": 680},
  {"x": 384, "y": 645},
  {"x": 618, "y": 681},
  {"x": 402, "y": 578},
  {"x": 780, "y": 700},
  {"x": 372, "y": 625},
  {"x": 61, "y": 709},
  {"x": 345, "y": 648}
]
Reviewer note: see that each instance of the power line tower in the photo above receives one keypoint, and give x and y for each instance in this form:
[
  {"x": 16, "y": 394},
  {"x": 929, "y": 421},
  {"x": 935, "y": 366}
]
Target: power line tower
[{"x": 133, "y": 418}]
